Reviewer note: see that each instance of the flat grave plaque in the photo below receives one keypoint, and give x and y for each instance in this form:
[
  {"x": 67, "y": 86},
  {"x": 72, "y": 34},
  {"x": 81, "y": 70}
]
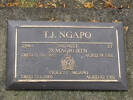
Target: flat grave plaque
[{"x": 65, "y": 55}]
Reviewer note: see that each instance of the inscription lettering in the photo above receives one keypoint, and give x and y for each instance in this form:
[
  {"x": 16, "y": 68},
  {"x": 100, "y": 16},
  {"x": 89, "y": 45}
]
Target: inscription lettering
[{"x": 68, "y": 35}]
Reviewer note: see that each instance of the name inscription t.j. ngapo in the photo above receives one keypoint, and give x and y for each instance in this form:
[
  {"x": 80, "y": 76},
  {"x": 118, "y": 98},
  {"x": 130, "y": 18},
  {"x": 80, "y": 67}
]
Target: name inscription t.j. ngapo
[
  {"x": 78, "y": 55},
  {"x": 68, "y": 35}
]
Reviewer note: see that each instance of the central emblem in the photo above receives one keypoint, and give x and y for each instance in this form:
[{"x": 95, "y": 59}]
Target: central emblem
[{"x": 68, "y": 62}]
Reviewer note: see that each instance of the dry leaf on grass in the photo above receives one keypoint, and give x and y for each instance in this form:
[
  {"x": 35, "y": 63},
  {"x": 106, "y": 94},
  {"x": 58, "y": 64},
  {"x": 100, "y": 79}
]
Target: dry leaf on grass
[{"x": 88, "y": 5}]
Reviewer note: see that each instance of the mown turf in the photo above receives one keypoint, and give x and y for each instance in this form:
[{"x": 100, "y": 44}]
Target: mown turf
[
  {"x": 84, "y": 15},
  {"x": 100, "y": 11},
  {"x": 98, "y": 4}
]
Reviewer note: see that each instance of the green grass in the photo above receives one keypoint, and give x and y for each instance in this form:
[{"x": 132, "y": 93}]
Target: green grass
[{"x": 98, "y": 4}]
